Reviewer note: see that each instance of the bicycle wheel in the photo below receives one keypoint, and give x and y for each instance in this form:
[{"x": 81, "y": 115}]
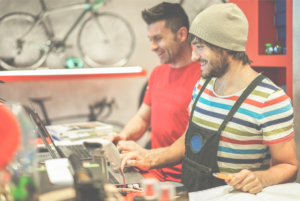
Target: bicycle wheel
[
  {"x": 116, "y": 50},
  {"x": 27, "y": 53}
]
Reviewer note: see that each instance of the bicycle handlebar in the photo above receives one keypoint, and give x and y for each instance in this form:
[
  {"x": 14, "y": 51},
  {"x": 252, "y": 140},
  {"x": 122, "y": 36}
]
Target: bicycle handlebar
[{"x": 98, "y": 4}]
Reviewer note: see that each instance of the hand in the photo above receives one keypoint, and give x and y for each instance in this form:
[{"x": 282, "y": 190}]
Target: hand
[
  {"x": 131, "y": 146},
  {"x": 134, "y": 159},
  {"x": 114, "y": 138},
  {"x": 246, "y": 181}
]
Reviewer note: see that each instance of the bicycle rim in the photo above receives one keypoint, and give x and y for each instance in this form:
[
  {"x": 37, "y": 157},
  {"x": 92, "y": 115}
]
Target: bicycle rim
[
  {"x": 34, "y": 50},
  {"x": 118, "y": 49}
]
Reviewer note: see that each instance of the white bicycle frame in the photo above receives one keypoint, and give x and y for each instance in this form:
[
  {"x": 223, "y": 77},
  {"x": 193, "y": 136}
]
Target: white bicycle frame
[{"x": 45, "y": 13}]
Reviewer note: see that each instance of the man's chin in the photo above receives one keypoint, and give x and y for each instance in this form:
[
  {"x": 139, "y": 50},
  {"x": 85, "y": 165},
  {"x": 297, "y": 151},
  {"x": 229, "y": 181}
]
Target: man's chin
[
  {"x": 205, "y": 76},
  {"x": 164, "y": 61}
]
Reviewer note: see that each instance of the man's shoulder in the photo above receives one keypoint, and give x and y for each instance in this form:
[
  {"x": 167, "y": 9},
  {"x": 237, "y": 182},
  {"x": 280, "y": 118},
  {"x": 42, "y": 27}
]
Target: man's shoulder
[{"x": 267, "y": 87}]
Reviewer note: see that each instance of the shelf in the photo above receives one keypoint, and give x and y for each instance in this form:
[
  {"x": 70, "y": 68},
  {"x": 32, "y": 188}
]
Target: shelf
[
  {"x": 84, "y": 73},
  {"x": 278, "y": 60},
  {"x": 260, "y": 15},
  {"x": 275, "y": 74},
  {"x": 267, "y": 31}
]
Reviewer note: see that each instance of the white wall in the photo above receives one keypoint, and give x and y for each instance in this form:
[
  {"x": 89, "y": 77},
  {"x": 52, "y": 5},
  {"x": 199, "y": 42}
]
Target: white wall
[{"x": 73, "y": 96}]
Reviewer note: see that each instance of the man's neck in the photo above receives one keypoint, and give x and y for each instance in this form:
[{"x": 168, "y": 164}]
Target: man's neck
[
  {"x": 237, "y": 78},
  {"x": 183, "y": 58}
]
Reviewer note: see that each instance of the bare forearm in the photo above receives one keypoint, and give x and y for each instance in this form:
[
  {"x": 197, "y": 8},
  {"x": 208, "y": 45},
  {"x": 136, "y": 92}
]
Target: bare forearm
[
  {"x": 285, "y": 164},
  {"x": 284, "y": 169},
  {"x": 134, "y": 129},
  {"x": 281, "y": 173},
  {"x": 152, "y": 153},
  {"x": 169, "y": 156}
]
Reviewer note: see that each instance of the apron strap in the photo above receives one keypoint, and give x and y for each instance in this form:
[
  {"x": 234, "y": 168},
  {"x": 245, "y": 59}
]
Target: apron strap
[
  {"x": 199, "y": 94},
  {"x": 241, "y": 99}
]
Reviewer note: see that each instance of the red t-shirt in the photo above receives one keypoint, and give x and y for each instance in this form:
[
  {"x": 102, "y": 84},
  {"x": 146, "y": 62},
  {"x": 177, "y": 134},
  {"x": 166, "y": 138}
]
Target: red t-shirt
[{"x": 169, "y": 94}]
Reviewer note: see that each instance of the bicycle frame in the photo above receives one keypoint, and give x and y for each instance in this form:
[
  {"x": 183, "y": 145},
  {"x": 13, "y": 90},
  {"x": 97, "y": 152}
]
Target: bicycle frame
[
  {"x": 96, "y": 111},
  {"x": 87, "y": 8}
]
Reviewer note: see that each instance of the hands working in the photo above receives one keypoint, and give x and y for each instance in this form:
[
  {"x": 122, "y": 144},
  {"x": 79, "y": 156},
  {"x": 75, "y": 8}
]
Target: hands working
[
  {"x": 114, "y": 138},
  {"x": 131, "y": 153},
  {"x": 125, "y": 146},
  {"x": 130, "y": 146},
  {"x": 246, "y": 181},
  {"x": 136, "y": 160}
]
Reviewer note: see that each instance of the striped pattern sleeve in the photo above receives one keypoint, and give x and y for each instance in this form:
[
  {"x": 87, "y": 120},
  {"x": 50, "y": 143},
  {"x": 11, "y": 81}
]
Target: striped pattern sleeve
[{"x": 278, "y": 118}]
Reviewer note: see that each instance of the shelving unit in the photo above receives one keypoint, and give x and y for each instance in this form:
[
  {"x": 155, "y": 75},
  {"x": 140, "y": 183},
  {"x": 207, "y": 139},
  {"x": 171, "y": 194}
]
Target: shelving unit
[
  {"x": 84, "y": 73},
  {"x": 260, "y": 15}
]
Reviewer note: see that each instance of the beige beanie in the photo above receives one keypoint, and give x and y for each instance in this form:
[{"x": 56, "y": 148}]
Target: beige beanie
[{"x": 224, "y": 25}]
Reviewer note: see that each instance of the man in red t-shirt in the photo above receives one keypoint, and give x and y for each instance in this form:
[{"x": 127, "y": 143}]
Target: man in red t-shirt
[{"x": 169, "y": 88}]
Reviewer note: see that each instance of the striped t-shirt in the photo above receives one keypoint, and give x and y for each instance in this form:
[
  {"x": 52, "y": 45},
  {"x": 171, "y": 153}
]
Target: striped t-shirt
[{"x": 265, "y": 118}]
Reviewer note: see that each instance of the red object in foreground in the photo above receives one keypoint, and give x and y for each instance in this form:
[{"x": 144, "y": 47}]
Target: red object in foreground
[{"x": 10, "y": 135}]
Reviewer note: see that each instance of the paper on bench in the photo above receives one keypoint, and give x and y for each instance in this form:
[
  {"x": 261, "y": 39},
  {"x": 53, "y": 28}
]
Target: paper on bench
[{"x": 286, "y": 192}]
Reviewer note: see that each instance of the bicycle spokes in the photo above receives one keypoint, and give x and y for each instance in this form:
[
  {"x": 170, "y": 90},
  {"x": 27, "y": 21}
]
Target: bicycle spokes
[{"x": 100, "y": 30}]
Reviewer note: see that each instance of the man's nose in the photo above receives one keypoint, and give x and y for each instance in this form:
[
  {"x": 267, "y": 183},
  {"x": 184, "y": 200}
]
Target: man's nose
[
  {"x": 195, "y": 56},
  {"x": 153, "y": 46}
]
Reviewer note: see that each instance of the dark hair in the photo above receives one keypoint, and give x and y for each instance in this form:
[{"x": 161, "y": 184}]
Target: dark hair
[
  {"x": 238, "y": 56},
  {"x": 172, "y": 13}
]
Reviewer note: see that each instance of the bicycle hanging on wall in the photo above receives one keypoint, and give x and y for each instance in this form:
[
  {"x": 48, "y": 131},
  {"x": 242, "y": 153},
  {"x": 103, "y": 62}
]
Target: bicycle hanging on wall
[
  {"x": 26, "y": 40},
  {"x": 99, "y": 111}
]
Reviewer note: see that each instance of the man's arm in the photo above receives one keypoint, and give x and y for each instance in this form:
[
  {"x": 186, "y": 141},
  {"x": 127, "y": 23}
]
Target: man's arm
[
  {"x": 167, "y": 157},
  {"x": 136, "y": 126},
  {"x": 284, "y": 169}
]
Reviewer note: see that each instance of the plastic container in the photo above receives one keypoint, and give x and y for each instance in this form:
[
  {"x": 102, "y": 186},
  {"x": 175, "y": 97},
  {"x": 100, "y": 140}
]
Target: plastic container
[{"x": 269, "y": 49}]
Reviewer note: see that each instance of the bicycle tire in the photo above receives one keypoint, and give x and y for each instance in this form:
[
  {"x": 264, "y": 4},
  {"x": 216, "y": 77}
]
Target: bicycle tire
[
  {"x": 117, "y": 51},
  {"x": 12, "y": 27}
]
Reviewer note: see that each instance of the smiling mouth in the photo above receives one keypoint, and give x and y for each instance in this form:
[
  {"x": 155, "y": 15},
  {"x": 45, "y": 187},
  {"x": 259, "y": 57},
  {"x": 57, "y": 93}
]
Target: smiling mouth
[{"x": 202, "y": 62}]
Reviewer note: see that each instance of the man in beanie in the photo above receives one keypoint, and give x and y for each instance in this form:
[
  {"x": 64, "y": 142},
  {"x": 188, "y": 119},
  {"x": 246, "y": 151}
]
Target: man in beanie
[
  {"x": 239, "y": 119},
  {"x": 169, "y": 88}
]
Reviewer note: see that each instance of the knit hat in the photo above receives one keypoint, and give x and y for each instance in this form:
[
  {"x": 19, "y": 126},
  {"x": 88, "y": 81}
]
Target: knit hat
[
  {"x": 10, "y": 135},
  {"x": 224, "y": 25}
]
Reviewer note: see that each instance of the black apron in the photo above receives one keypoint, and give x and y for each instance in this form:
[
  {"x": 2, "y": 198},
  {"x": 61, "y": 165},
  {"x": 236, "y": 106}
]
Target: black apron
[{"x": 201, "y": 147}]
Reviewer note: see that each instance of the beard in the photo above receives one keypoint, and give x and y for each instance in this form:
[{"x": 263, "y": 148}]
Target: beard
[{"x": 217, "y": 67}]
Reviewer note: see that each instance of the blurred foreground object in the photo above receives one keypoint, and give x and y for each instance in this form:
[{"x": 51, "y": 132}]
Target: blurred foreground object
[
  {"x": 10, "y": 135},
  {"x": 17, "y": 165}
]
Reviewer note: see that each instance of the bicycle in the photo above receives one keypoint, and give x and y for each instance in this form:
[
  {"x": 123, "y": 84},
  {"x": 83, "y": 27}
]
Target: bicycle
[
  {"x": 98, "y": 111},
  {"x": 26, "y": 41}
]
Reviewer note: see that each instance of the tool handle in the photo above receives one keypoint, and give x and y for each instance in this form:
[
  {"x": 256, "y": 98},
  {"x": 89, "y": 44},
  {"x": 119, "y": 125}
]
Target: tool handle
[{"x": 75, "y": 162}]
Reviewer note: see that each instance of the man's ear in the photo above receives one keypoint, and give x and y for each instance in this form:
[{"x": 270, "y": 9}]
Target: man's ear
[{"x": 182, "y": 34}]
